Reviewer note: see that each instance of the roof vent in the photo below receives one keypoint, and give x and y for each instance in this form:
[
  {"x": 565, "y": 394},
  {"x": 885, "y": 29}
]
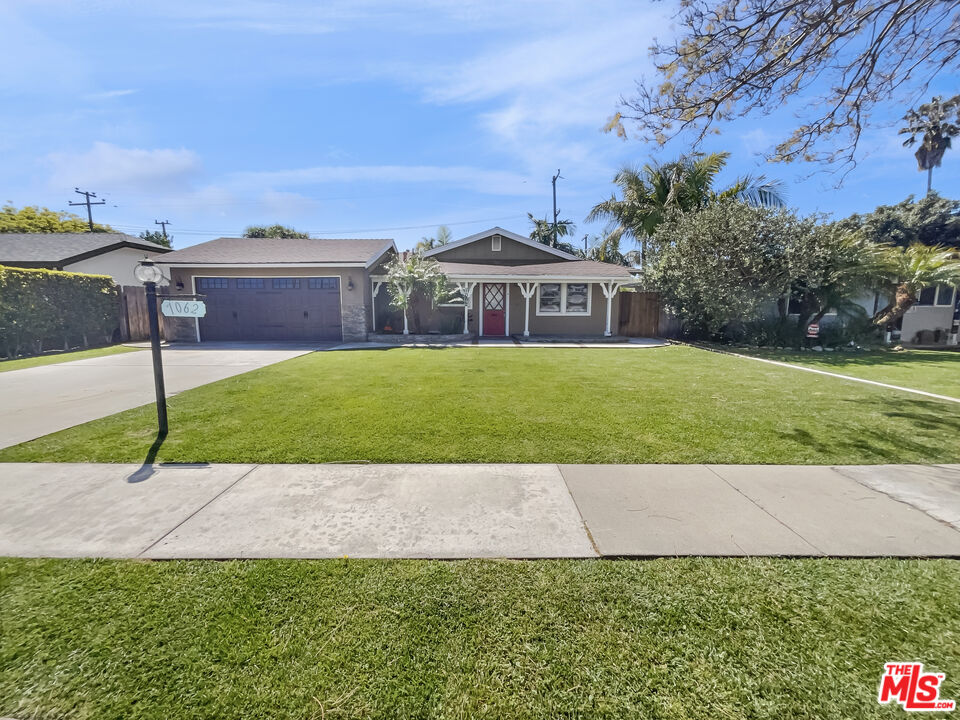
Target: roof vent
[{"x": 495, "y": 243}]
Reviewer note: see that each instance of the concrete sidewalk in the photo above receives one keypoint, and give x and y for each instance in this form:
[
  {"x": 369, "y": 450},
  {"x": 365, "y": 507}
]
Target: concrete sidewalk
[{"x": 457, "y": 511}]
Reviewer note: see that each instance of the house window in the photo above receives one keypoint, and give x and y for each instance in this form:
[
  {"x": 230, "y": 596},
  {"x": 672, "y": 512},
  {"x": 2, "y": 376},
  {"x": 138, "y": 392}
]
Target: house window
[
  {"x": 927, "y": 296},
  {"x": 286, "y": 283},
  {"x": 578, "y": 298},
  {"x": 563, "y": 298},
  {"x": 454, "y": 297},
  {"x": 327, "y": 283},
  {"x": 214, "y": 283},
  {"x": 495, "y": 242},
  {"x": 249, "y": 283},
  {"x": 550, "y": 301},
  {"x": 945, "y": 295}
]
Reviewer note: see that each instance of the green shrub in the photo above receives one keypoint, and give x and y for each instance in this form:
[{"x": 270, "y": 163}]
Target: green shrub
[{"x": 40, "y": 308}]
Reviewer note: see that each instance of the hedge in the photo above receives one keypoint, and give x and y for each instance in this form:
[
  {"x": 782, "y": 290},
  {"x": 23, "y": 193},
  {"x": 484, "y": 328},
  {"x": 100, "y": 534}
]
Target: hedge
[{"x": 42, "y": 308}]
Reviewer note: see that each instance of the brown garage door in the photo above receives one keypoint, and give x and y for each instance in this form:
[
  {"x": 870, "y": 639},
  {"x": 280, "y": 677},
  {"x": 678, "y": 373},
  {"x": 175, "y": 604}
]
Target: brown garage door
[{"x": 270, "y": 308}]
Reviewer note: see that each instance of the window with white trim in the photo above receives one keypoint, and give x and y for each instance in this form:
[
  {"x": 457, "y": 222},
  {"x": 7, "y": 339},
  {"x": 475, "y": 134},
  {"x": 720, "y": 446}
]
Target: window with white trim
[
  {"x": 453, "y": 297},
  {"x": 495, "y": 243},
  {"x": 566, "y": 298},
  {"x": 941, "y": 295}
]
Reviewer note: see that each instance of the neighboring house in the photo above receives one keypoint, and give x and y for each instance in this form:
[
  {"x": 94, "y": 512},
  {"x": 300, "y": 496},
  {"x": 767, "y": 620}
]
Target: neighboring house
[
  {"x": 309, "y": 289},
  {"x": 276, "y": 288},
  {"x": 503, "y": 284},
  {"x": 113, "y": 254}
]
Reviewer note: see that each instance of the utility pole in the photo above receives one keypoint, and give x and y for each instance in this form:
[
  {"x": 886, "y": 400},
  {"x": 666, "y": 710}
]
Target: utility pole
[
  {"x": 88, "y": 203},
  {"x": 554, "y": 181},
  {"x": 163, "y": 224}
]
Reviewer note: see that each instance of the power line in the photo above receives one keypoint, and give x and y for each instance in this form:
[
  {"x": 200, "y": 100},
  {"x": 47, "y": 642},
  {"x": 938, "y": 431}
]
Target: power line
[
  {"x": 356, "y": 231},
  {"x": 88, "y": 203}
]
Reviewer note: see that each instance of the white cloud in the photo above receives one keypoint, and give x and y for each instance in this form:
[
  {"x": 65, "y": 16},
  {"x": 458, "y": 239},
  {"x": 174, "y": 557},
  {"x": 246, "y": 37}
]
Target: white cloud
[
  {"x": 110, "y": 168},
  {"x": 108, "y": 94}
]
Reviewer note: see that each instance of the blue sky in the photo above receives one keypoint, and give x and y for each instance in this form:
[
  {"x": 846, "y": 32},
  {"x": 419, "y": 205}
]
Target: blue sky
[{"x": 359, "y": 118}]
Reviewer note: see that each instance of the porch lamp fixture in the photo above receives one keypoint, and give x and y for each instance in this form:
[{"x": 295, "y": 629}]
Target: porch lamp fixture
[
  {"x": 349, "y": 283},
  {"x": 149, "y": 274}
]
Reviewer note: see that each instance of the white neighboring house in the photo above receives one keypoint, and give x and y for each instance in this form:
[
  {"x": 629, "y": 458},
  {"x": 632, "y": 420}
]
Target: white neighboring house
[{"x": 113, "y": 254}]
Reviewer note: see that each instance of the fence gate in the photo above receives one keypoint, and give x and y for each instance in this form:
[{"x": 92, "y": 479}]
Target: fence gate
[
  {"x": 639, "y": 314},
  {"x": 134, "y": 319}
]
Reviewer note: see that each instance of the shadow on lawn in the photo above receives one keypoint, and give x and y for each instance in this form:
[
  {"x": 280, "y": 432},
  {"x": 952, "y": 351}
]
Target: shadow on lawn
[
  {"x": 891, "y": 445},
  {"x": 146, "y": 471}
]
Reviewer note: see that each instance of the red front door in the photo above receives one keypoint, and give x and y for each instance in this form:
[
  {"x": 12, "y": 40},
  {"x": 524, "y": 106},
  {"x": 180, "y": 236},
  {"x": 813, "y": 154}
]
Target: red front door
[{"x": 494, "y": 309}]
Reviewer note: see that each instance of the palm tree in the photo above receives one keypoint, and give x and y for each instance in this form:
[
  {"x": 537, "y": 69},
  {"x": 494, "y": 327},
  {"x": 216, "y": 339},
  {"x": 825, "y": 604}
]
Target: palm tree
[
  {"x": 911, "y": 269},
  {"x": 428, "y": 243},
  {"x": 686, "y": 184},
  {"x": 543, "y": 231},
  {"x": 932, "y": 122}
]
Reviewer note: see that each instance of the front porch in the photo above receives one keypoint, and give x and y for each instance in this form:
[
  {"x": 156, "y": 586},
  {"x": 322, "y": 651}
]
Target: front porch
[{"x": 498, "y": 307}]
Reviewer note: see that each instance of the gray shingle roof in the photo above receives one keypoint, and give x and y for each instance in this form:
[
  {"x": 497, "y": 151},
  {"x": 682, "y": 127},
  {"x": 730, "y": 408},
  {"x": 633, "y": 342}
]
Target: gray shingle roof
[
  {"x": 54, "y": 248},
  {"x": 570, "y": 269},
  {"x": 272, "y": 251}
]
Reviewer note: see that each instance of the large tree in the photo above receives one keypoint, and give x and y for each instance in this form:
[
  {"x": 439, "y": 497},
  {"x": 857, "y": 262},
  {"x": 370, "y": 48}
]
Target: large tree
[
  {"x": 931, "y": 220},
  {"x": 734, "y": 58},
  {"x": 442, "y": 237},
  {"x": 548, "y": 233},
  {"x": 647, "y": 195},
  {"x": 910, "y": 270},
  {"x": 729, "y": 263},
  {"x": 155, "y": 236},
  {"x": 34, "y": 219},
  {"x": 273, "y": 231},
  {"x": 936, "y": 123}
]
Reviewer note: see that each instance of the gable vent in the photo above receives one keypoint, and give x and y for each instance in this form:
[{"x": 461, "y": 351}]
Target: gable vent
[{"x": 495, "y": 243}]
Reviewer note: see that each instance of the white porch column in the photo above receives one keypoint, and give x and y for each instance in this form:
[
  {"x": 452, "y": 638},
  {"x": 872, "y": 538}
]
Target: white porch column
[
  {"x": 609, "y": 290},
  {"x": 466, "y": 290},
  {"x": 527, "y": 290},
  {"x": 373, "y": 303}
]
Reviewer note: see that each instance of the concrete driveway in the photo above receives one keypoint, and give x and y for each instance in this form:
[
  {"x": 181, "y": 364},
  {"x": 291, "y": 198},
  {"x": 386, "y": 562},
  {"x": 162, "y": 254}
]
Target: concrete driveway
[{"x": 41, "y": 400}]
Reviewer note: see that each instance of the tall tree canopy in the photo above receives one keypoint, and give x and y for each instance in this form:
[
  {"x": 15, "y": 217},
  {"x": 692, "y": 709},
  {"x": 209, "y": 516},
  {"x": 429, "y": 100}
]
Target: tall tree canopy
[
  {"x": 683, "y": 185},
  {"x": 273, "y": 231},
  {"x": 736, "y": 57},
  {"x": 442, "y": 237},
  {"x": 34, "y": 219},
  {"x": 931, "y": 220},
  {"x": 155, "y": 236},
  {"x": 936, "y": 123},
  {"x": 542, "y": 232}
]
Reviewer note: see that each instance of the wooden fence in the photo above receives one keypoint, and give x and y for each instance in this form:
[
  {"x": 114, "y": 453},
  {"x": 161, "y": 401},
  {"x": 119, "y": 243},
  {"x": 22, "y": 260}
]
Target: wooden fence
[
  {"x": 134, "y": 319},
  {"x": 639, "y": 314}
]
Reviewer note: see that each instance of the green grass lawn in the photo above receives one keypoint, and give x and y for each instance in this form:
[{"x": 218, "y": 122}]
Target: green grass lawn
[
  {"x": 676, "y": 638},
  {"x": 62, "y": 357},
  {"x": 935, "y": 371},
  {"x": 601, "y": 405}
]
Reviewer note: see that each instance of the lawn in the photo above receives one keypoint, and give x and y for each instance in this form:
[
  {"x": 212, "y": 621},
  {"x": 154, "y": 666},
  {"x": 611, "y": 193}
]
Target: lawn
[
  {"x": 675, "y": 638},
  {"x": 62, "y": 357},
  {"x": 598, "y": 405},
  {"x": 935, "y": 371}
]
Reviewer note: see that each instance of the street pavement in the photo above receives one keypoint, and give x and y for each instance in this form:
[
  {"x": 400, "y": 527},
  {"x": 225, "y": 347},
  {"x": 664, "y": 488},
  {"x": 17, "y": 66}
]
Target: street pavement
[{"x": 460, "y": 511}]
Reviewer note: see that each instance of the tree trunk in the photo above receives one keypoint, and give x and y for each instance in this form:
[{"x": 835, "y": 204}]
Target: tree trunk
[{"x": 903, "y": 300}]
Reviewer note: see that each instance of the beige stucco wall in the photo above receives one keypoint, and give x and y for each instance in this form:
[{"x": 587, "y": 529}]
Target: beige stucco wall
[
  {"x": 926, "y": 317},
  {"x": 118, "y": 264},
  {"x": 511, "y": 253}
]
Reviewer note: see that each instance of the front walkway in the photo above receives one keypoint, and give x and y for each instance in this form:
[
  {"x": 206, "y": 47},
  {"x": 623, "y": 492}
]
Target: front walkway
[{"x": 457, "y": 511}]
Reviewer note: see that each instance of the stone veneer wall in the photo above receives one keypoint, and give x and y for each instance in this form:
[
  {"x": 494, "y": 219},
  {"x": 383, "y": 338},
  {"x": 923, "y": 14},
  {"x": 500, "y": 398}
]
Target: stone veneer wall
[{"x": 354, "y": 319}]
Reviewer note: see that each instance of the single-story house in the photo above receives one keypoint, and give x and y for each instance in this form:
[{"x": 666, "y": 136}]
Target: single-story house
[
  {"x": 113, "y": 254},
  {"x": 501, "y": 283}
]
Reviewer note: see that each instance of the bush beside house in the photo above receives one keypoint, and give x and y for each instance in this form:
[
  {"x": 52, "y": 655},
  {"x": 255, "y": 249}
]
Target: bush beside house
[{"x": 48, "y": 308}]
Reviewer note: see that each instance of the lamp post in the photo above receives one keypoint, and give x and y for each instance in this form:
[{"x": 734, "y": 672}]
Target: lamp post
[{"x": 149, "y": 274}]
